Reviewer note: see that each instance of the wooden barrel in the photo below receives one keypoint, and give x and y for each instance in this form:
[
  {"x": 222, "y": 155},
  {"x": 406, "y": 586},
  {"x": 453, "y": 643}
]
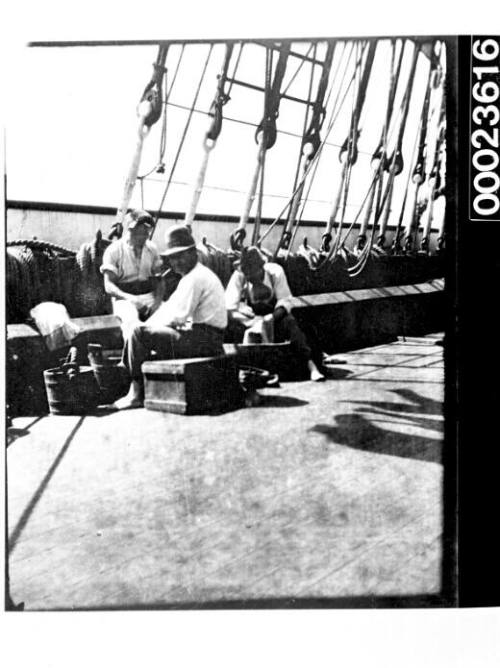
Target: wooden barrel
[{"x": 71, "y": 395}]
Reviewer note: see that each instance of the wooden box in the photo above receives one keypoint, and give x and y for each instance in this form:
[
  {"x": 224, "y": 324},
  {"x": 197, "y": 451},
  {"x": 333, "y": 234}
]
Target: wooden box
[
  {"x": 192, "y": 386},
  {"x": 102, "y": 329},
  {"x": 273, "y": 357},
  {"x": 26, "y": 358}
]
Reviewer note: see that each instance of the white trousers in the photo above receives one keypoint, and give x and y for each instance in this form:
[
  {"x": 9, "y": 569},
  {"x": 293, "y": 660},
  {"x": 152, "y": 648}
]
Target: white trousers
[{"x": 128, "y": 313}]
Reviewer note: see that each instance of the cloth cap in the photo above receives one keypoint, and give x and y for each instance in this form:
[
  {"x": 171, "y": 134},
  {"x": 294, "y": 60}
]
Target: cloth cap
[
  {"x": 139, "y": 217},
  {"x": 177, "y": 240},
  {"x": 251, "y": 259}
]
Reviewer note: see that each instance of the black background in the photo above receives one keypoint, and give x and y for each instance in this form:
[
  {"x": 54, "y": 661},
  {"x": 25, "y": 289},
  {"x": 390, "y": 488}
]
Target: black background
[{"x": 476, "y": 348}]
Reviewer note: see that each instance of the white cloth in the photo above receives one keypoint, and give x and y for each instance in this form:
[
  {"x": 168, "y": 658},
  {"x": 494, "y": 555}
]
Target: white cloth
[
  {"x": 198, "y": 299},
  {"x": 54, "y": 324},
  {"x": 274, "y": 278},
  {"x": 128, "y": 313},
  {"x": 120, "y": 258},
  {"x": 262, "y": 327}
]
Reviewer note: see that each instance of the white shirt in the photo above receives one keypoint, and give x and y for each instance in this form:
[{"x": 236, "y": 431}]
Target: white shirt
[
  {"x": 198, "y": 299},
  {"x": 120, "y": 258},
  {"x": 274, "y": 278}
]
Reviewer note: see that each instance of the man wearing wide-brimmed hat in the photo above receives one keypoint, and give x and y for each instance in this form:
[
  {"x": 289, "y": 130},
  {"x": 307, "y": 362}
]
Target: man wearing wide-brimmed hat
[
  {"x": 131, "y": 266},
  {"x": 190, "y": 323},
  {"x": 258, "y": 293}
]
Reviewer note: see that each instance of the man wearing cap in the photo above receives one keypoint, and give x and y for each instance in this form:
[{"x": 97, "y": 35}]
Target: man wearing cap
[
  {"x": 190, "y": 323},
  {"x": 130, "y": 267},
  {"x": 259, "y": 290}
]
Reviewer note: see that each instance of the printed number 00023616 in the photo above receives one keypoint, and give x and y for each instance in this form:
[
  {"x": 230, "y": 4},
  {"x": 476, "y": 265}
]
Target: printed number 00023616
[{"x": 485, "y": 138}]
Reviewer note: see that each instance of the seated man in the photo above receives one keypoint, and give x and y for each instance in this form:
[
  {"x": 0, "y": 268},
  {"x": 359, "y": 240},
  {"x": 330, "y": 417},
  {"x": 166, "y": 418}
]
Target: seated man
[
  {"x": 190, "y": 323},
  {"x": 130, "y": 267},
  {"x": 259, "y": 289}
]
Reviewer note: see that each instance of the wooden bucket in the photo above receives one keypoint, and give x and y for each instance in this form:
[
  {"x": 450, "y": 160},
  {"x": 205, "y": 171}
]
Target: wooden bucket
[{"x": 71, "y": 393}]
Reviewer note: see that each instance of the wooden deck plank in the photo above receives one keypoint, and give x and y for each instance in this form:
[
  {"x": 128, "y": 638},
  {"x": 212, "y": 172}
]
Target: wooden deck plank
[{"x": 297, "y": 497}]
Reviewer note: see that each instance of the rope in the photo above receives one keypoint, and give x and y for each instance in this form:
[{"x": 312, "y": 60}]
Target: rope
[
  {"x": 181, "y": 143},
  {"x": 393, "y": 85},
  {"x": 267, "y": 87},
  {"x": 349, "y": 148},
  {"x": 327, "y": 234},
  {"x": 148, "y": 111},
  {"x": 221, "y": 98},
  {"x": 380, "y": 152},
  {"x": 307, "y": 249},
  {"x": 34, "y": 274},
  {"x": 435, "y": 188},
  {"x": 152, "y": 95},
  {"x": 418, "y": 175},
  {"x": 240, "y": 121},
  {"x": 265, "y": 136},
  {"x": 301, "y": 64},
  {"x": 310, "y": 144},
  {"x": 405, "y": 106},
  {"x": 396, "y": 166},
  {"x": 160, "y": 165},
  {"x": 286, "y": 233},
  {"x": 316, "y": 157},
  {"x": 396, "y": 243},
  {"x": 40, "y": 245},
  {"x": 435, "y": 175}
]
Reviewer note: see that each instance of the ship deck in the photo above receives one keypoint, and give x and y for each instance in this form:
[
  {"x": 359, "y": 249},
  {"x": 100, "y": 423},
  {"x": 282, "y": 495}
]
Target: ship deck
[{"x": 325, "y": 492}]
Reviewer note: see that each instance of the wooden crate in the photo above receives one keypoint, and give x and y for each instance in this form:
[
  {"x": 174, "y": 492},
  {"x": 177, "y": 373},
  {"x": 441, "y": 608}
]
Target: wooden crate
[
  {"x": 192, "y": 386},
  {"x": 273, "y": 357},
  {"x": 26, "y": 358},
  {"x": 102, "y": 329}
]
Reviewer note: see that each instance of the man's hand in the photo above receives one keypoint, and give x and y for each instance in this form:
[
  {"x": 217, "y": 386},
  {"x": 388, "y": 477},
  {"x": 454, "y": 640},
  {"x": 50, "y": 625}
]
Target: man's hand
[
  {"x": 136, "y": 301},
  {"x": 158, "y": 301},
  {"x": 279, "y": 313}
]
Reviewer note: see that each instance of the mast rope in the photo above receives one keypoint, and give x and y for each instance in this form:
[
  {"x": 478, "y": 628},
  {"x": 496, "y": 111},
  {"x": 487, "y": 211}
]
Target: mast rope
[
  {"x": 419, "y": 172},
  {"x": 301, "y": 64},
  {"x": 267, "y": 88},
  {"x": 159, "y": 167},
  {"x": 434, "y": 181},
  {"x": 220, "y": 100},
  {"x": 350, "y": 151},
  {"x": 265, "y": 136},
  {"x": 148, "y": 111},
  {"x": 335, "y": 114},
  {"x": 310, "y": 144},
  {"x": 396, "y": 166},
  {"x": 181, "y": 143}
]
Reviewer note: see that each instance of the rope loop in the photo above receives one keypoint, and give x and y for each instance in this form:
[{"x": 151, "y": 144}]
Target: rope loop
[
  {"x": 349, "y": 149},
  {"x": 311, "y": 139},
  {"x": 116, "y": 231},
  {"x": 326, "y": 241},
  {"x": 237, "y": 238},
  {"x": 396, "y": 162},
  {"x": 286, "y": 239},
  {"x": 216, "y": 113},
  {"x": 267, "y": 127},
  {"x": 418, "y": 173},
  {"x": 153, "y": 95},
  {"x": 360, "y": 242}
]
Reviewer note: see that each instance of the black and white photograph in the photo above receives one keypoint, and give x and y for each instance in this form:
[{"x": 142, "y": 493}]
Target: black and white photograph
[{"x": 230, "y": 292}]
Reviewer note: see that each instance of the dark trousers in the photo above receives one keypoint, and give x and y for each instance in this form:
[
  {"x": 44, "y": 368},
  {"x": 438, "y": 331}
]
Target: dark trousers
[
  {"x": 169, "y": 343},
  {"x": 285, "y": 329}
]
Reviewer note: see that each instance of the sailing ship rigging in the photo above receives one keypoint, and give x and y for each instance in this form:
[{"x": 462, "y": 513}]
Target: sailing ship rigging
[{"x": 365, "y": 123}]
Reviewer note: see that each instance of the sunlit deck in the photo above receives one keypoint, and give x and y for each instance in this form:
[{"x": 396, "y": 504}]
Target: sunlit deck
[{"x": 325, "y": 491}]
